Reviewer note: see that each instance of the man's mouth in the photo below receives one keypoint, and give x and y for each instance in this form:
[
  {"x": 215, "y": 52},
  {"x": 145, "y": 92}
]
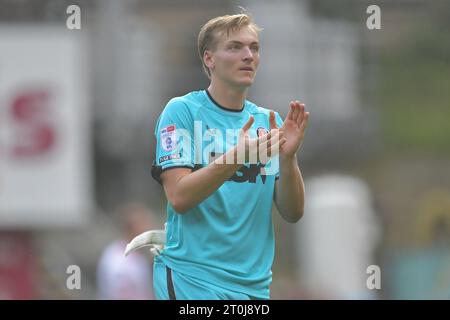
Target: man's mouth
[{"x": 246, "y": 69}]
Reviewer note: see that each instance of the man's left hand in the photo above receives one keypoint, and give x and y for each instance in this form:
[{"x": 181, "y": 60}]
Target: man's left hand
[{"x": 293, "y": 129}]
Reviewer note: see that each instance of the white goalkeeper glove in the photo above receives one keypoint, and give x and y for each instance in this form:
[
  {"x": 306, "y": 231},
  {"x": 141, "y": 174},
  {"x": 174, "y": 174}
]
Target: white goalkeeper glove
[{"x": 155, "y": 239}]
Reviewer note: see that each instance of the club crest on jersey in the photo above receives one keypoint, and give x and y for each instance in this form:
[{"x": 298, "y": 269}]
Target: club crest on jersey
[
  {"x": 168, "y": 137},
  {"x": 261, "y": 131}
]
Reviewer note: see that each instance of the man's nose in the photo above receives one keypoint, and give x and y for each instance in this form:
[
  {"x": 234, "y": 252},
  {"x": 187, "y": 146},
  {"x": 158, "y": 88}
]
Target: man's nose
[{"x": 248, "y": 54}]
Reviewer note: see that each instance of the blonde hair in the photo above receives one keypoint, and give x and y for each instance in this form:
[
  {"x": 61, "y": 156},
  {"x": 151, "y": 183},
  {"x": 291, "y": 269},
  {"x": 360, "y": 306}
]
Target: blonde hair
[{"x": 208, "y": 35}]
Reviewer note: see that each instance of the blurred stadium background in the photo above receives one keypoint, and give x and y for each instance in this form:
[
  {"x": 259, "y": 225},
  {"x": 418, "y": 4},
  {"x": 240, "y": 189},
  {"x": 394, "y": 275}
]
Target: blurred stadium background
[{"x": 78, "y": 110}]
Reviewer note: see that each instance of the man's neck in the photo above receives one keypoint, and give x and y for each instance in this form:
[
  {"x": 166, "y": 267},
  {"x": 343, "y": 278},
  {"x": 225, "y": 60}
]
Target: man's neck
[{"x": 230, "y": 98}]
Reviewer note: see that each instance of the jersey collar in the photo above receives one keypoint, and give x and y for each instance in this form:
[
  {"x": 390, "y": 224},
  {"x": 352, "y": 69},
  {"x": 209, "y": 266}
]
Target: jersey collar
[{"x": 222, "y": 107}]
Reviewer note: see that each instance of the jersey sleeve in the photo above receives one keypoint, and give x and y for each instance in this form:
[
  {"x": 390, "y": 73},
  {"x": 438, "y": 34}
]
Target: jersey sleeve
[{"x": 174, "y": 133}]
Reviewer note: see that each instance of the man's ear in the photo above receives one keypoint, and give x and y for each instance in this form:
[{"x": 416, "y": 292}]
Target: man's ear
[{"x": 208, "y": 59}]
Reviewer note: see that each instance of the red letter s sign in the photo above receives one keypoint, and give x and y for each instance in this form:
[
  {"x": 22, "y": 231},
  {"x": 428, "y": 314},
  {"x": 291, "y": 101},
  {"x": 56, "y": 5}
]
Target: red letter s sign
[{"x": 33, "y": 134}]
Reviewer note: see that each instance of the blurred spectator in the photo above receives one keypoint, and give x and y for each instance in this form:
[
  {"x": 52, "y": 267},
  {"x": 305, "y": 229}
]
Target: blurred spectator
[
  {"x": 423, "y": 271},
  {"x": 337, "y": 238},
  {"x": 130, "y": 277}
]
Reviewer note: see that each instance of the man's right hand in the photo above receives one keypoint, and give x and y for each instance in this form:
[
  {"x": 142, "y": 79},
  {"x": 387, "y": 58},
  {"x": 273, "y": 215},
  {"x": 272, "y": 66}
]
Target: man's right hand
[{"x": 260, "y": 149}]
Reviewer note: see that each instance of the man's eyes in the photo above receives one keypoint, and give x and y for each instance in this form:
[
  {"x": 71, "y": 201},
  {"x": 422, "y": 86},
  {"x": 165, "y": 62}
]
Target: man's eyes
[{"x": 238, "y": 46}]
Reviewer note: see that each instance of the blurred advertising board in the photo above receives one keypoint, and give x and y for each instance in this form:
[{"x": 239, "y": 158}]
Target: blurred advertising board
[{"x": 45, "y": 149}]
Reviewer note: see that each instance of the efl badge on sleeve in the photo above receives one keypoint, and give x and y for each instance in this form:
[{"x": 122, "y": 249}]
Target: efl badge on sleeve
[{"x": 168, "y": 137}]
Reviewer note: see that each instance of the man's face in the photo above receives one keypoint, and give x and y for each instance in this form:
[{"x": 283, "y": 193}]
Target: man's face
[{"x": 236, "y": 58}]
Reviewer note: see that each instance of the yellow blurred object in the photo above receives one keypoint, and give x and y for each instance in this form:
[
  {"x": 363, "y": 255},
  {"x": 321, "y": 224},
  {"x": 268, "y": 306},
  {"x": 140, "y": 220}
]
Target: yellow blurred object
[{"x": 433, "y": 218}]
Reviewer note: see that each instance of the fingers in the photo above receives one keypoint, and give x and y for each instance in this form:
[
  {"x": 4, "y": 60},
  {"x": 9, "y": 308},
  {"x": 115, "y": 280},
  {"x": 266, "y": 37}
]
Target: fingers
[
  {"x": 304, "y": 123},
  {"x": 270, "y": 150},
  {"x": 268, "y": 145},
  {"x": 303, "y": 117},
  {"x": 299, "y": 114},
  {"x": 290, "y": 112},
  {"x": 260, "y": 149},
  {"x": 272, "y": 121},
  {"x": 248, "y": 124},
  {"x": 295, "y": 110}
]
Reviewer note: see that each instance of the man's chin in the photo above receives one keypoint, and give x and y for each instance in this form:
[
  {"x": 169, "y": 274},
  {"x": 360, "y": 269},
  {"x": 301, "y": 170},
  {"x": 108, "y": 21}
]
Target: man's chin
[{"x": 245, "y": 82}]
